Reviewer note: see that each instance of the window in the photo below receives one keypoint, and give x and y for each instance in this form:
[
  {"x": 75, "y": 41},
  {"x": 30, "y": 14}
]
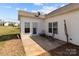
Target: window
[
  {"x": 34, "y": 28},
  {"x": 50, "y": 27},
  {"x": 55, "y": 28},
  {"x": 27, "y": 27}
]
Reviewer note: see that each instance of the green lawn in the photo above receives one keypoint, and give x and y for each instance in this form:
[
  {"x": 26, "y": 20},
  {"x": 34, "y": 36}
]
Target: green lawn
[
  {"x": 9, "y": 43},
  {"x": 9, "y": 30},
  {"x": 7, "y": 33}
]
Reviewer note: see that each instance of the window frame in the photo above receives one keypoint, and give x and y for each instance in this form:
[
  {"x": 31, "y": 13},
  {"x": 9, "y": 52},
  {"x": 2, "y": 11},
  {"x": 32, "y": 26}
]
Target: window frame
[
  {"x": 27, "y": 29},
  {"x": 55, "y": 27},
  {"x": 50, "y": 27},
  {"x": 34, "y": 27}
]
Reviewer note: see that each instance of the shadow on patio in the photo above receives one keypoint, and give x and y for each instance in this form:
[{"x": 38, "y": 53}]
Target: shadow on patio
[
  {"x": 47, "y": 44},
  {"x": 56, "y": 47}
]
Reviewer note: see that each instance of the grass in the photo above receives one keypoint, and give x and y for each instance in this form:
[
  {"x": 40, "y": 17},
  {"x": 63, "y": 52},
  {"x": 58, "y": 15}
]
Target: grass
[
  {"x": 9, "y": 44},
  {"x": 9, "y": 30},
  {"x": 7, "y": 33}
]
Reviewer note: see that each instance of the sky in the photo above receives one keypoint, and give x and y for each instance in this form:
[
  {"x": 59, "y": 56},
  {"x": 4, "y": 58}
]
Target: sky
[{"x": 9, "y": 11}]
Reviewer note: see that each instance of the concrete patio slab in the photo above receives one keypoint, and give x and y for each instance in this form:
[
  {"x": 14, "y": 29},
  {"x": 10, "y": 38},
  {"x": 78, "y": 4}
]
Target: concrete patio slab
[{"x": 36, "y": 45}]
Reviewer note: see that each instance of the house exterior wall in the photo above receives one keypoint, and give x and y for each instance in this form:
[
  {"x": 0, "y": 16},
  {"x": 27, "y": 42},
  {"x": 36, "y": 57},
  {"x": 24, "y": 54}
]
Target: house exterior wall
[
  {"x": 72, "y": 21},
  {"x": 25, "y": 19}
]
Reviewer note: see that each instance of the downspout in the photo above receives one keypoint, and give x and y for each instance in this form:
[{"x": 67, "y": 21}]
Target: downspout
[{"x": 66, "y": 32}]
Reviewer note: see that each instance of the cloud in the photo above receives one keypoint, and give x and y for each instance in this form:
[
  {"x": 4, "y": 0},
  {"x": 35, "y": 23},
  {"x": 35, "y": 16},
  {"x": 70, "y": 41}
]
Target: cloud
[
  {"x": 34, "y": 10},
  {"x": 25, "y": 9},
  {"x": 6, "y": 6},
  {"x": 45, "y": 9},
  {"x": 38, "y": 4},
  {"x": 17, "y": 8},
  {"x": 64, "y": 5},
  {"x": 48, "y": 9}
]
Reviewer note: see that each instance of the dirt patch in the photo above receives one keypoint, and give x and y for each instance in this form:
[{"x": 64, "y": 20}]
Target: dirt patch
[{"x": 12, "y": 47}]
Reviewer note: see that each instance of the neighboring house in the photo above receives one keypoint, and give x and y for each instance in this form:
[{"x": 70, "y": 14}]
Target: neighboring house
[
  {"x": 15, "y": 24},
  {"x": 6, "y": 24},
  {"x": 53, "y": 23}
]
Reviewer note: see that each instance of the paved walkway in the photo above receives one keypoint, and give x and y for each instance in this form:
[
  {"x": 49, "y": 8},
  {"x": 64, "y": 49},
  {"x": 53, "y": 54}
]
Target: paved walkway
[{"x": 36, "y": 45}]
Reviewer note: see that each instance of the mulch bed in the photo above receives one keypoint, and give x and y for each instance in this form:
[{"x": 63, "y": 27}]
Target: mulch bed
[{"x": 66, "y": 50}]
